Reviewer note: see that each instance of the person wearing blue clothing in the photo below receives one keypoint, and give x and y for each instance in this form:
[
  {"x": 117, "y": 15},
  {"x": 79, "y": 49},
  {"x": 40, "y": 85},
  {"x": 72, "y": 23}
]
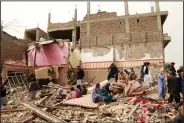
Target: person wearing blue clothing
[
  {"x": 96, "y": 94},
  {"x": 161, "y": 84},
  {"x": 107, "y": 94}
]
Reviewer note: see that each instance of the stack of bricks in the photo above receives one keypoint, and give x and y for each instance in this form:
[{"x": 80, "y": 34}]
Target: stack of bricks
[
  {"x": 101, "y": 15},
  {"x": 60, "y": 25}
]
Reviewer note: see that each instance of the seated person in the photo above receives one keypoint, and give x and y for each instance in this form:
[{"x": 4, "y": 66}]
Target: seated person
[
  {"x": 72, "y": 94},
  {"x": 84, "y": 90},
  {"x": 78, "y": 91},
  {"x": 120, "y": 75},
  {"x": 96, "y": 94},
  {"x": 106, "y": 94},
  {"x": 59, "y": 92}
]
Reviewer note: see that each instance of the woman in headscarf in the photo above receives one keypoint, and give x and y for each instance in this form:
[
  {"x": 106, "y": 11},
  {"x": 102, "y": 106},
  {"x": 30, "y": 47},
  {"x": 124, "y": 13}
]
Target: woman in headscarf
[
  {"x": 96, "y": 94},
  {"x": 106, "y": 94}
]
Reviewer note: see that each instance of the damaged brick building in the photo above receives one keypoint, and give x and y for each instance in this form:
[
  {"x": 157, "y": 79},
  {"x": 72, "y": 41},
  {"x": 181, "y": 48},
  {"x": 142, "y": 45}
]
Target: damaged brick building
[
  {"x": 102, "y": 38},
  {"x": 13, "y": 53}
]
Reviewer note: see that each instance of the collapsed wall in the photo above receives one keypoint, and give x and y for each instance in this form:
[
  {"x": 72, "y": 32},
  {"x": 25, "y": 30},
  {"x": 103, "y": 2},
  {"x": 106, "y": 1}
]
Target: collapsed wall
[{"x": 13, "y": 53}]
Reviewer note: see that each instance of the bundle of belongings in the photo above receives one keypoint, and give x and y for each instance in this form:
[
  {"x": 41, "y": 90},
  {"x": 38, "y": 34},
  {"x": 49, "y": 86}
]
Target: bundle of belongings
[{"x": 129, "y": 85}]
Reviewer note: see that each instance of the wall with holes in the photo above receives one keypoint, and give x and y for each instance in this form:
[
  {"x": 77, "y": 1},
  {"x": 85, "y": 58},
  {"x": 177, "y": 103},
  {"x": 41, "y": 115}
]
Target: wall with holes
[
  {"x": 143, "y": 24},
  {"x": 104, "y": 33}
]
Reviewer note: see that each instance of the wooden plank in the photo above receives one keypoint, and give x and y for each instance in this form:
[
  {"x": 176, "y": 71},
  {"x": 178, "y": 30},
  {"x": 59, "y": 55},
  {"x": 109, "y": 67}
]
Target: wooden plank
[
  {"x": 12, "y": 110},
  {"x": 31, "y": 118},
  {"x": 133, "y": 110},
  {"x": 43, "y": 114}
]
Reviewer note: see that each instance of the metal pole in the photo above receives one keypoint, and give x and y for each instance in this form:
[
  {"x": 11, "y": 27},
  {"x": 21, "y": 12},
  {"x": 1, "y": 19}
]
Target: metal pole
[{"x": 35, "y": 57}]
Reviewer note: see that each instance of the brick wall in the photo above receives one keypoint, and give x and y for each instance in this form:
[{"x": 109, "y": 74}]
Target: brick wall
[
  {"x": 142, "y": 29},
  {"x": 143, "y": 24},
  {"x": 11, "y": 50},
  {"x": 107, "y": 27}
]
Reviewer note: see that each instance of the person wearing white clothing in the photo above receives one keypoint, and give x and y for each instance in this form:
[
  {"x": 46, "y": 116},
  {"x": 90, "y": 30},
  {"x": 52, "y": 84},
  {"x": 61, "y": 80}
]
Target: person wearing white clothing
[{"x": 147, "y": 74}]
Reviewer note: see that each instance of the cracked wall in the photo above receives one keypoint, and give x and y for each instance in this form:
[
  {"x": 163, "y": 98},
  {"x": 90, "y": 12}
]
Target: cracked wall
[
  {"x": 149, "y": 50},
  {"x": 139, "y": 51},
  {"x": 97, "y": 54}
]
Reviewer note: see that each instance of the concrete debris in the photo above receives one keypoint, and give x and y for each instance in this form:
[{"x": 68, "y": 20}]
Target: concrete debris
[
  {"x": 42, "y": 114},
  {"x": 48, "y": 108}
]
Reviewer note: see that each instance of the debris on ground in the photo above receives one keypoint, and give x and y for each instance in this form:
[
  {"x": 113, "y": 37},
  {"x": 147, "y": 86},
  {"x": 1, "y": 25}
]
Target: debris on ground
[{"x": 48, "y": 108}]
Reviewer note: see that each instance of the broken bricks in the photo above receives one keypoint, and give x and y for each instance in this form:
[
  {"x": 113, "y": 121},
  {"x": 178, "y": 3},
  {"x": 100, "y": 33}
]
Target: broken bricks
[{"x": 125, "y": 110}]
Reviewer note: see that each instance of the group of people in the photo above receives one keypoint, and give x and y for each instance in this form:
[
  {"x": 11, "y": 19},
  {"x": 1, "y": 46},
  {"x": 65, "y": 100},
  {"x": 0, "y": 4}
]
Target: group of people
[
  {"x": 115, "y": 73},
  {"x": 80, "y": 89},
  {"x": 104, "y": 94},
  {"x": 175, "y": 83}
]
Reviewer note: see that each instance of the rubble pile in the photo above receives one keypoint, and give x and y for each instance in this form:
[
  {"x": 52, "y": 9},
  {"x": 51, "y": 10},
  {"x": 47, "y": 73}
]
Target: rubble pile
[{"x": 126, "y": 109}]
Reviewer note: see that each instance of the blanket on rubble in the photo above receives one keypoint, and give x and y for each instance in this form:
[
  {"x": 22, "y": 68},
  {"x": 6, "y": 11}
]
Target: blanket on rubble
[{"x": 133, "y": 88}]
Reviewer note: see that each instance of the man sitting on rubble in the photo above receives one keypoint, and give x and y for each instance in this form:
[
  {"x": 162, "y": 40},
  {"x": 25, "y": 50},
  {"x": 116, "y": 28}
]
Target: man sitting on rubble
[
  {"x": 107, "y": 94},
  {"x": 113, "y": 72}
]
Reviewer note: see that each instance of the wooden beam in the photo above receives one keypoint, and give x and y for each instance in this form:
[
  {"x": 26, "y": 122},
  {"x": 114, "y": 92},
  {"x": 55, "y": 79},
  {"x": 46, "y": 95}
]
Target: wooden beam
[
  {"x": 31, "y": 118},
  {"x": 42, "y": 114},
  {"x": 12, "y": 110},
  {"x": 133, "y": 110}
]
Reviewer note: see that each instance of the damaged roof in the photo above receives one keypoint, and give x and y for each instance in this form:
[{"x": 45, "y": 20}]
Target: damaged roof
[
  {"x": 33, "y": 45},
  {"x": 33, "y": 31}
]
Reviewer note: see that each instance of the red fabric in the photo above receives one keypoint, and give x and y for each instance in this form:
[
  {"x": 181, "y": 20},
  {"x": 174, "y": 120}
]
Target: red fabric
[{"x": 141, "y": 119}]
